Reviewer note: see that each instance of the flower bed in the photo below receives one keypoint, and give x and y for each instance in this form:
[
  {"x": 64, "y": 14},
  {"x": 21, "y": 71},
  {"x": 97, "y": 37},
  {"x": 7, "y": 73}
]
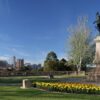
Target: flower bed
[{"x": 69, "y": 87}]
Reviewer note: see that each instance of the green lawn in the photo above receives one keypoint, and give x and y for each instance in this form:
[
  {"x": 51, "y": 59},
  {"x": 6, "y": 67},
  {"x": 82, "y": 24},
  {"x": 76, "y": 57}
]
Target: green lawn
[
  {"x": 15, "y": 93},
  {"x": 18, "y": 79}
]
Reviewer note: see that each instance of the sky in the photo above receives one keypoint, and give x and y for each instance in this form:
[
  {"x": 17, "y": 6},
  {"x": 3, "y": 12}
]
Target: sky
[{"x": 30, "y": 29}]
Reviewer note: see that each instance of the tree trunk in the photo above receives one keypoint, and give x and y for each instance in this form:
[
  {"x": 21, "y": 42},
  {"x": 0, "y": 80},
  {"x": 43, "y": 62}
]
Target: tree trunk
[
  {"x": 79, "y": 66},
  {"x": 80, "y": 63},
  {"x": 77, "y": 69}
]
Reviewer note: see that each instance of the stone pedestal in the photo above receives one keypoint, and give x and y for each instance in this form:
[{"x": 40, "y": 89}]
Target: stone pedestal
[
  {"x": 96, "y": 72},
  {"x": 97, "y": 53},
  {"x": 26, "y": 84},
  {"x": 94, "y": 75}
]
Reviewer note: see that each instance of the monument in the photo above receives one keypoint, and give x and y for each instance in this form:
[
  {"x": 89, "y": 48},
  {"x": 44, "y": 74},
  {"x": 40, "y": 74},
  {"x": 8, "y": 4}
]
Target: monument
[
  {"x": 26, "y": 84},
  {"x": 95, "y": 74},
  {"x": 97, "y": 51}
]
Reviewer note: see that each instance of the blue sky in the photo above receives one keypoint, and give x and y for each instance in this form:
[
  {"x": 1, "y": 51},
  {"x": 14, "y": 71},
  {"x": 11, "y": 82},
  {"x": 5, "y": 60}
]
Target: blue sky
[{"x": 29, "y": 29}]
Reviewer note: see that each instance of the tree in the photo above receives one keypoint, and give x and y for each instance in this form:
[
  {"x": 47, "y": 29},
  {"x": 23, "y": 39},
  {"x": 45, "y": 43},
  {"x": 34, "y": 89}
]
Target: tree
[
  {"x": 51, "y": 62},
  {"x": 63, "y": 60},
  {"x": 51, "y": 66},
  {"x": 62, "y": 65},
  {"x": 51, "y": 56},
  {"x": 79, "y": 41},
  {"x": 88, "y": 59},
  {"x": 70, "y": 66}
]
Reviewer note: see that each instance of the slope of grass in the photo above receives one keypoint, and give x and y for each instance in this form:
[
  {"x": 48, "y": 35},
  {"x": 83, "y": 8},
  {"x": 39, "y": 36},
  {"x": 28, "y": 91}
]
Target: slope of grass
[{"x": 15, "y": 93}]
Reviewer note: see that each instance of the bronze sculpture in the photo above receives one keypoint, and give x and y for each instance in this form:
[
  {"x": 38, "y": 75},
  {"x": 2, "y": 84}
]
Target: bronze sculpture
[{"x": 97, "y": 22}]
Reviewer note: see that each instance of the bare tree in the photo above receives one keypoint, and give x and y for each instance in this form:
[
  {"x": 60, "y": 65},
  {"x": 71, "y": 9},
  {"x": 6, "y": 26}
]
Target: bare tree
[{"x": 79, "y": 41}]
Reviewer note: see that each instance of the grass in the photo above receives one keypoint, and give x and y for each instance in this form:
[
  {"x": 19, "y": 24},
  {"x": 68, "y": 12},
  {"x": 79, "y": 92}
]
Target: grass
[
  {"x": 15, "y": 93},
  {"x": 18, "y": 79}
]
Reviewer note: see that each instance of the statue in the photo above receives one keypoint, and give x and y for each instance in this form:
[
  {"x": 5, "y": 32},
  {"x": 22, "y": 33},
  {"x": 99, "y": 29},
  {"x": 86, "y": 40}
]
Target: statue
[{"x": 97, "y": 22}]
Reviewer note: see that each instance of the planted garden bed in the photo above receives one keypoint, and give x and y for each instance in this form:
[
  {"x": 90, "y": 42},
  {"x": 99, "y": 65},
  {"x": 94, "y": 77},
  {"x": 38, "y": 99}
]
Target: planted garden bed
[{"x": 69, "y": 87}]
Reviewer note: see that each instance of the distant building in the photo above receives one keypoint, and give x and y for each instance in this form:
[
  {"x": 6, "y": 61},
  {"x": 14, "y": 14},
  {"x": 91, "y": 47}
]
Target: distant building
[
  {"x": 36, "y": 66},
  {"x": 14, "y": 61},
  {"x": 3, "y": 64},
  {"x": 27, "y": 64},
  {"x": 19, "y": 64}
]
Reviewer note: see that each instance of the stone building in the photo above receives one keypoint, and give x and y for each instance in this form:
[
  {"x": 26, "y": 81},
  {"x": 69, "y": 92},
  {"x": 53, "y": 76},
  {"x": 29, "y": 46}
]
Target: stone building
[{"x": 19, "y": 64}]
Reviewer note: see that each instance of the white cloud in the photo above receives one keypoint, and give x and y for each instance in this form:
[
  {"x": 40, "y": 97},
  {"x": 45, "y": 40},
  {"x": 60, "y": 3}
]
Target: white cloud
[
  {"x": 62, "y": 55},
  {"x": 4, "y": 58},
  {"x": 37, "y": 58},
  {"x": 21, "y": 53},
  {"x": 34, "y": 61}
]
